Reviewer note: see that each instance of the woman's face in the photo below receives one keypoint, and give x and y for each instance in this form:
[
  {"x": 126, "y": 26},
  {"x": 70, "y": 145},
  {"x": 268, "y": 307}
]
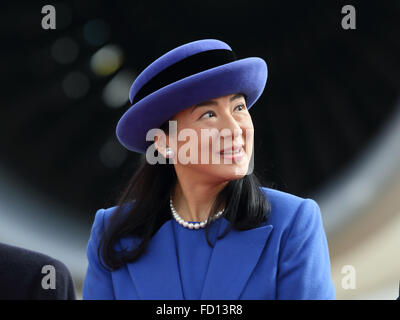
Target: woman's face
[{"x": 225, "y": 124}]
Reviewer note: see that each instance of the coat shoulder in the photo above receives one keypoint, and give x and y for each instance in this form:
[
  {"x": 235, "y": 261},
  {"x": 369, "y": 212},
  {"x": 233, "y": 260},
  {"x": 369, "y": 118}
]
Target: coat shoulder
[
  {"x": 21, "y": 271},
  {"x": 102, "y": 218},
  {"x": 287, "y": 207}
]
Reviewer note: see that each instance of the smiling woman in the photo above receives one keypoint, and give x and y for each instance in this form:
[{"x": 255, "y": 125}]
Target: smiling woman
[
  {"x": 203, "y": 230},
  {"x": 224, "y": 137}
]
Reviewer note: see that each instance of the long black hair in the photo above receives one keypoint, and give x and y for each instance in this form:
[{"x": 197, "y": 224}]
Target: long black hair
[{"x": 148, "y": 191}]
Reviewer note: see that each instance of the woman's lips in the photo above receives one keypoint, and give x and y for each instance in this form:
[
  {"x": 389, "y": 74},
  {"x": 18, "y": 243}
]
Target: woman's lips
[{"x": 233, "y": 155}]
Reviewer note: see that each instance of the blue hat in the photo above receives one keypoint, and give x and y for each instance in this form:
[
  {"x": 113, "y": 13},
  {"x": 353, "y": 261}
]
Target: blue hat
[{"x": 189, "y": 74}]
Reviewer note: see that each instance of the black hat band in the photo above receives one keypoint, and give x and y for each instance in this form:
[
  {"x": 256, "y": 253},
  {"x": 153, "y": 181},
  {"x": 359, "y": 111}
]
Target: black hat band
[{"x": 186, "y": 67}]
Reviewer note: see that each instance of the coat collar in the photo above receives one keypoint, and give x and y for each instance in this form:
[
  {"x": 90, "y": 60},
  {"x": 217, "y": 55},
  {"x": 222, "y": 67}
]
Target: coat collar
[{"x": 155, "y": 274}]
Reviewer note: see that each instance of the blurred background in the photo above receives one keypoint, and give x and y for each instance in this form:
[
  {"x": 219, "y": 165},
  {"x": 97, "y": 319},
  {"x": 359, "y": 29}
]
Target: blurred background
[{"x": 327, "y": 125}]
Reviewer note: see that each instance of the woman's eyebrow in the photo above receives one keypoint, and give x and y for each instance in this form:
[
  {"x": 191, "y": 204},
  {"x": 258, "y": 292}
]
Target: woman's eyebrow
[{"x": 212, "y": 102}]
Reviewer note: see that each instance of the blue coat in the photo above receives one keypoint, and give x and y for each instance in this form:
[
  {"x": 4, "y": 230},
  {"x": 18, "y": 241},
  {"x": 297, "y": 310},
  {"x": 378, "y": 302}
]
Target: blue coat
[{"x": 285, "y": 258}]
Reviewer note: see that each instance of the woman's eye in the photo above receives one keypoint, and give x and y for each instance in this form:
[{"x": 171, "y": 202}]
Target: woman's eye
[
  {"x": 208, "y": 112},
  {"x": 240, "y": 105},
  {"x": 212, "y": 112}
]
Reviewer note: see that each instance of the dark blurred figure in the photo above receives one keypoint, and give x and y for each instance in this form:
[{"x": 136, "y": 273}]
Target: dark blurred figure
[
  {"x": 21, "y": 276},
  {"x": 398, "y": 298}
]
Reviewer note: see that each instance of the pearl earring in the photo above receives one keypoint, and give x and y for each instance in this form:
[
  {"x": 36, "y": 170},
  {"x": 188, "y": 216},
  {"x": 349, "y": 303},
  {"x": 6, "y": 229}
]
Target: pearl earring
[{"x": 169, "y": 152}]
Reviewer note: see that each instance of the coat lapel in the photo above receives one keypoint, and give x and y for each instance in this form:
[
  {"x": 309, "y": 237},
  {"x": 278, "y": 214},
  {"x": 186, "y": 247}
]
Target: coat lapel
[
  {"x": 232, "y": 261},
  {"x": 155, "y": 274},
  {"x": 234, "y": 257}
]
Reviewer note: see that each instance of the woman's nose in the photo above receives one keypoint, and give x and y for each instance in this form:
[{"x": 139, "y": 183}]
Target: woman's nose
[{"x": 230, "y": 127}]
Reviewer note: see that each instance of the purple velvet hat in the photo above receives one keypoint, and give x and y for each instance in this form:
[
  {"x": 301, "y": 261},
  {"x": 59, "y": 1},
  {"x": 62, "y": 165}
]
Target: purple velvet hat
[{"x": 187, "y": 75}]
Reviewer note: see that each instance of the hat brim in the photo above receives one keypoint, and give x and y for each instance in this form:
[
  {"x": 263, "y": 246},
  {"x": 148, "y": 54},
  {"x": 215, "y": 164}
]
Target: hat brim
[{"x": 248, "y": 76}]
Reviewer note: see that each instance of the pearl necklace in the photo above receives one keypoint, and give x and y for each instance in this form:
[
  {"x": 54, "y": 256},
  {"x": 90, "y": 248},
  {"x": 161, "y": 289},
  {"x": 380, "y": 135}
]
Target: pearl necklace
[{"x": 187, "y": 224}]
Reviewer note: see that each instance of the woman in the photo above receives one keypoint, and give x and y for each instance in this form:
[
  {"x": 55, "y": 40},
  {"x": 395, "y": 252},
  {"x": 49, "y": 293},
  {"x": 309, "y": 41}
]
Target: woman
[{"x": 200, "y": 225}]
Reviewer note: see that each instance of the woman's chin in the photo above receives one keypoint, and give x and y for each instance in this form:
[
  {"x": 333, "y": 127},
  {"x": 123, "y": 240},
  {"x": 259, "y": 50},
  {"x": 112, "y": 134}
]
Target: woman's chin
[{"x": 232, "y": 171}]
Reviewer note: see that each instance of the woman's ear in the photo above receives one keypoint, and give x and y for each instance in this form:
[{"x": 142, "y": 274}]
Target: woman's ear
[{"x": 160, "y": 142}]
